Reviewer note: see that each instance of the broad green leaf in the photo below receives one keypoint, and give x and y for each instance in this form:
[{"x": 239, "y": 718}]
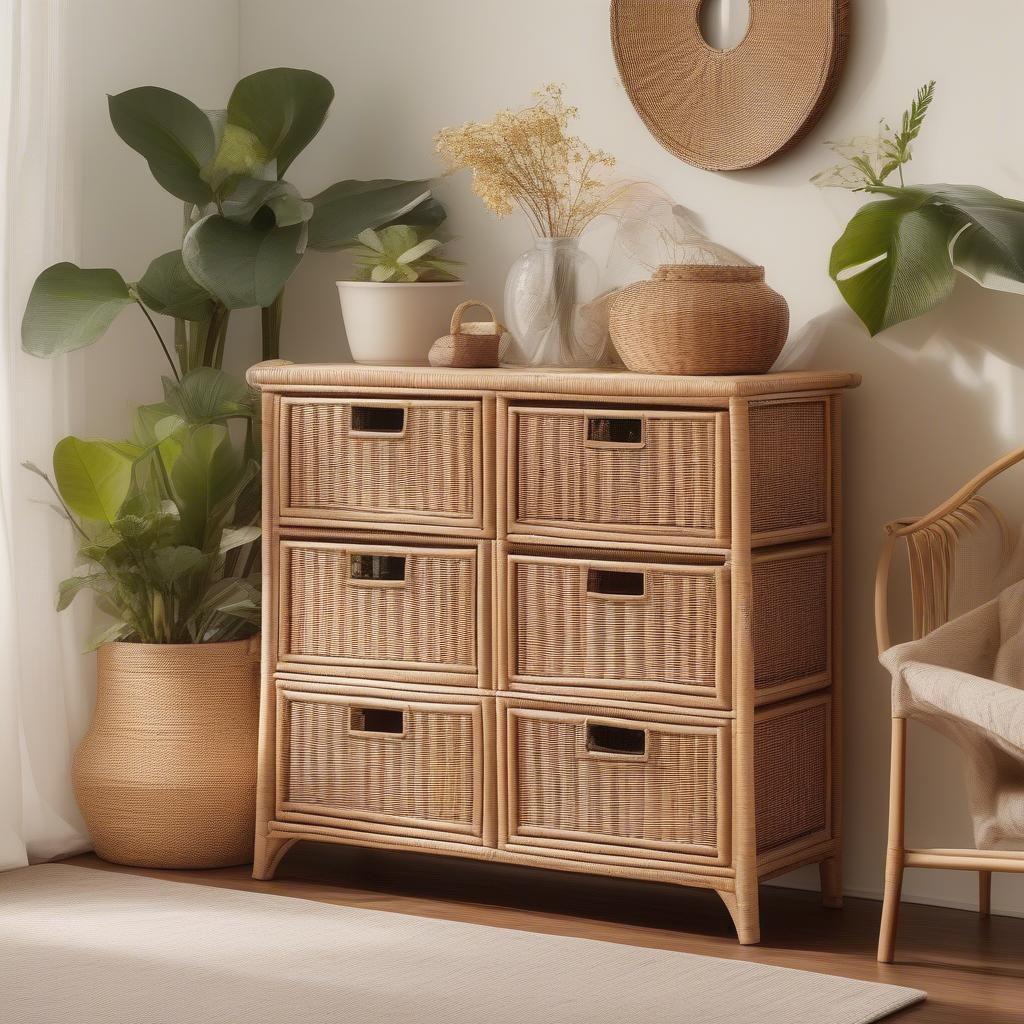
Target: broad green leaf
[
  {"x": 206, "y": 395},
  {"x": 348, "y": 207},
  {"x": 238, "y": 536},
  {"x": 171, "y": 563},
  {"x": 70, "y": 307},
  {"x": 427, "y": 217},
  {"x": 93, "y": 477},
  {"x": 168, "y": 288},
  {"x": 371, "y": 240},
  {"x": 892, "y": 262},
  {"x": 249, "y": 195},
  {"x": 110, "y": 634},
  {"x": 68, "y": 590},
  {"x": 283, "y": 108},
  {"x": 239, "y": 154},
  {"x": 207, "y": 476},
  {"x": 172, "y": 133},
  {"x": 242, "y": 265}
]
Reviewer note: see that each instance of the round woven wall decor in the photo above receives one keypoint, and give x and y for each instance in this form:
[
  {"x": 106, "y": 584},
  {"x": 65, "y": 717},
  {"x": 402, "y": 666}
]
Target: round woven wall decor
[{"x": 727, "y": 109}]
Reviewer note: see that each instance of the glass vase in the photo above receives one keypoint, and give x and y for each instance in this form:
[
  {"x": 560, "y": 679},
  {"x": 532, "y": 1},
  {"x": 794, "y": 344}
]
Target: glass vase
[{"x": 546, "y": 297}]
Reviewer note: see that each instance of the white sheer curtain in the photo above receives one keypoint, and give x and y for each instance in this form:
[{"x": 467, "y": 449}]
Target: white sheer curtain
[{"x": 45, "y": 690}]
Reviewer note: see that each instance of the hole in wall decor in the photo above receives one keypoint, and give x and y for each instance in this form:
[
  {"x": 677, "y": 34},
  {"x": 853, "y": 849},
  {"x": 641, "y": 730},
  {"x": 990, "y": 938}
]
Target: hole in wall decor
[
  {"x": 723, "y": 108},
  {"x": 723, "y": 23}
]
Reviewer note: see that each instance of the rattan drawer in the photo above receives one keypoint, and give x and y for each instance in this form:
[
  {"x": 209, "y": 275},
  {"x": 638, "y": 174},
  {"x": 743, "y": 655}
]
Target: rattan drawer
[
  {"x": 618, "y": 473},
  {"x": 593, "y": 781},
  {"x": 353, "y": 461},
  {"x": 376, "y": 761},
  {"x": 622, "y": 630},
  {"x": 385, "y": 611}
]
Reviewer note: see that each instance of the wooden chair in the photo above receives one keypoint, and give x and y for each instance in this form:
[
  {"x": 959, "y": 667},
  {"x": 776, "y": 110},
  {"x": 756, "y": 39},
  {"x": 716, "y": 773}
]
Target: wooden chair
[{"x": 939, "y": 557}]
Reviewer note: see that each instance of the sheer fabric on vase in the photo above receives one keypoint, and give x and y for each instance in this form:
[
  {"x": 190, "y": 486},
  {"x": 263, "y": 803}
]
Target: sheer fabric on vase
[{"x": 45, "y": 689}]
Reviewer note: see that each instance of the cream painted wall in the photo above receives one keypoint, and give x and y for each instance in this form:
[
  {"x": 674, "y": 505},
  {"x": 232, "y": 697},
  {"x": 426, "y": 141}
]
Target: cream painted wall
[{"x": 939, "y": 395}]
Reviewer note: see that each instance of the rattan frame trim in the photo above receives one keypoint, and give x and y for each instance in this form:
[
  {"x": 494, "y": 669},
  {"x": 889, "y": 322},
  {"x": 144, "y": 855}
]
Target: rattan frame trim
[
  {"x": 279, "y": 375},
  {"x": 474, "y": 525}
]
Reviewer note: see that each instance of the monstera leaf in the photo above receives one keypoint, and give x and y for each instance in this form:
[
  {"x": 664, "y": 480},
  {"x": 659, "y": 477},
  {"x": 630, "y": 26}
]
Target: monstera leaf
[{"x": 899, "y": 255}]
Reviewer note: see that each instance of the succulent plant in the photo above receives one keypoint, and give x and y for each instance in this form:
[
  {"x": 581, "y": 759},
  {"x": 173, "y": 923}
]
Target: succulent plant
[{"x": 398, "y": 254}]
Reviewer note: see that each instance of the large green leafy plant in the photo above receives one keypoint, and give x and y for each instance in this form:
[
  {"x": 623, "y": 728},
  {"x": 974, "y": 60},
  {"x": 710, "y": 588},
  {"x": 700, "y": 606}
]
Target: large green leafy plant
[
  {"x": 245, "y": 227},
  {"x": 167, "y": 522},
  {"x": 899, "y": 256}
]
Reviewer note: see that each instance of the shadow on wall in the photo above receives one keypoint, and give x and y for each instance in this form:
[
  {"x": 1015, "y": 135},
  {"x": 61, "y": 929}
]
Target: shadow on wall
[{"x": 937, "y": 404}]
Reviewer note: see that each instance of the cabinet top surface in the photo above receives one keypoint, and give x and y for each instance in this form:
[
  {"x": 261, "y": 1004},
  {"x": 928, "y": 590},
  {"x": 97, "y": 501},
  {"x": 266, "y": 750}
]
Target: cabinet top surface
[{"x": 279, "y": 375}]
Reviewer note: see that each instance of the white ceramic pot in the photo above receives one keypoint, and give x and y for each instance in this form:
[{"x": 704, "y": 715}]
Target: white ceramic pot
[{"x": 395, "y": 324}]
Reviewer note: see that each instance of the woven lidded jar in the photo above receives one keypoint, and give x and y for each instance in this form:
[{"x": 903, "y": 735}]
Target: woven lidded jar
[{"x": 691, "y": 319}]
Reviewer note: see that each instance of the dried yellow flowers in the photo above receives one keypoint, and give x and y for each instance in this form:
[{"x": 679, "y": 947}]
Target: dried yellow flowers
[{"x": 527, "y": 158}]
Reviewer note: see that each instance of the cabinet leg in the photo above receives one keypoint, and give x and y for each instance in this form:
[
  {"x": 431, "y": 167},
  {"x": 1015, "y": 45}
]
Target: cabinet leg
[
  {"x": 269, "y": 852},
  {"x": 831, "y": 872},
  {"x": 745, "y": 917}
]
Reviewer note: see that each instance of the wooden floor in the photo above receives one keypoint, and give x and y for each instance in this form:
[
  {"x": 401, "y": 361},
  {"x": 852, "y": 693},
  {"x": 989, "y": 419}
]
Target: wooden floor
[{"x": 972, "y": 968}]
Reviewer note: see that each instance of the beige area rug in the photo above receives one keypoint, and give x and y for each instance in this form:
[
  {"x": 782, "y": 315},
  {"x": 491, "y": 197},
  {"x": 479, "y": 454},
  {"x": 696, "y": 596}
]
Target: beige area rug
[{"x": 79, "y": 946}]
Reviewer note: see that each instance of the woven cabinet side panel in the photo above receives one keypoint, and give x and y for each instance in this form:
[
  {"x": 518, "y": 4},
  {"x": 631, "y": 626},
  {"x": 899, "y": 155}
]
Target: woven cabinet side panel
[
  {"x": 431, "y": 619},
  {"x": 670, "y": 482},
  {"x": 429, "y": 773},
  {"x": 789, "y": 465},
  {"x": 669, "y": 798},
  {"x": 428, "y": 470},
  {"x": 791, "y": 777},
  {"x": 790, "y": 623},
  {"x": 670, "y": 636}
]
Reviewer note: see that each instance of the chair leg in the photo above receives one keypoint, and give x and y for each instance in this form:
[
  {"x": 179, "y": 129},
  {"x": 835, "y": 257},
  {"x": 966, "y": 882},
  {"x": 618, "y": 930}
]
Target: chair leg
[
  {"x": 894, "y": 859},
  {"x": 984, "y": 893}
]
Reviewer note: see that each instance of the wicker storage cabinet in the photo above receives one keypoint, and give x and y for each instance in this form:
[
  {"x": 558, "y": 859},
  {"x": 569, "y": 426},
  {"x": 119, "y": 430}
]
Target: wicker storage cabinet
[{"x": 587, "y": 621}]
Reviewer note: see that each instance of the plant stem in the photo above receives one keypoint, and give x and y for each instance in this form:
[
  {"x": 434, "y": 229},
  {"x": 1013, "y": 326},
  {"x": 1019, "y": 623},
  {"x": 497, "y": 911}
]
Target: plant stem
[
  {"x": 174, "y": 369},
  {"x": 270, "y": 321},
  {"x": 213, "y": 328}
]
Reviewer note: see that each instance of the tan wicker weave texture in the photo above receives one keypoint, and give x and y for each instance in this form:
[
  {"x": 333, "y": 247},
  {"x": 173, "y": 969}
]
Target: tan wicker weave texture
[
  {"x": 427, "y": 468},
  {"x": 166, "y": 775},
  {"x": 725, "y": 110},
  {"x": 428, "y": 619}
]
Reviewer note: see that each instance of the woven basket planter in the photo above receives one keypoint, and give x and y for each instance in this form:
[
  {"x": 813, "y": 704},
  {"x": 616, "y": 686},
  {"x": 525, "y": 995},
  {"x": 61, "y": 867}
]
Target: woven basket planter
[
  {"x": 166, "y": 775},
  {"x": 700, "y": 320}
]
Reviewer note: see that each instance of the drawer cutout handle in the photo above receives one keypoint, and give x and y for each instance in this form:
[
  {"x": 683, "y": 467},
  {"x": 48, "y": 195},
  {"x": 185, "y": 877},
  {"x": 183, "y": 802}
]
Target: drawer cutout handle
[
  {"x": 615, "y": 431},
  {"x": 378, "y": 420},
  {"x": 616, "y": 741},
  {"x": 377, "y": 569},
  {"x": 377, "y": 722},
  {"x": 611, "y": 583}
]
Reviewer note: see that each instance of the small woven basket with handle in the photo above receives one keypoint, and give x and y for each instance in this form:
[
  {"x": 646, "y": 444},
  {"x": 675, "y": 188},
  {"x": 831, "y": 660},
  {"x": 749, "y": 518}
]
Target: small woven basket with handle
[{"x": 470, "y": 344}]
